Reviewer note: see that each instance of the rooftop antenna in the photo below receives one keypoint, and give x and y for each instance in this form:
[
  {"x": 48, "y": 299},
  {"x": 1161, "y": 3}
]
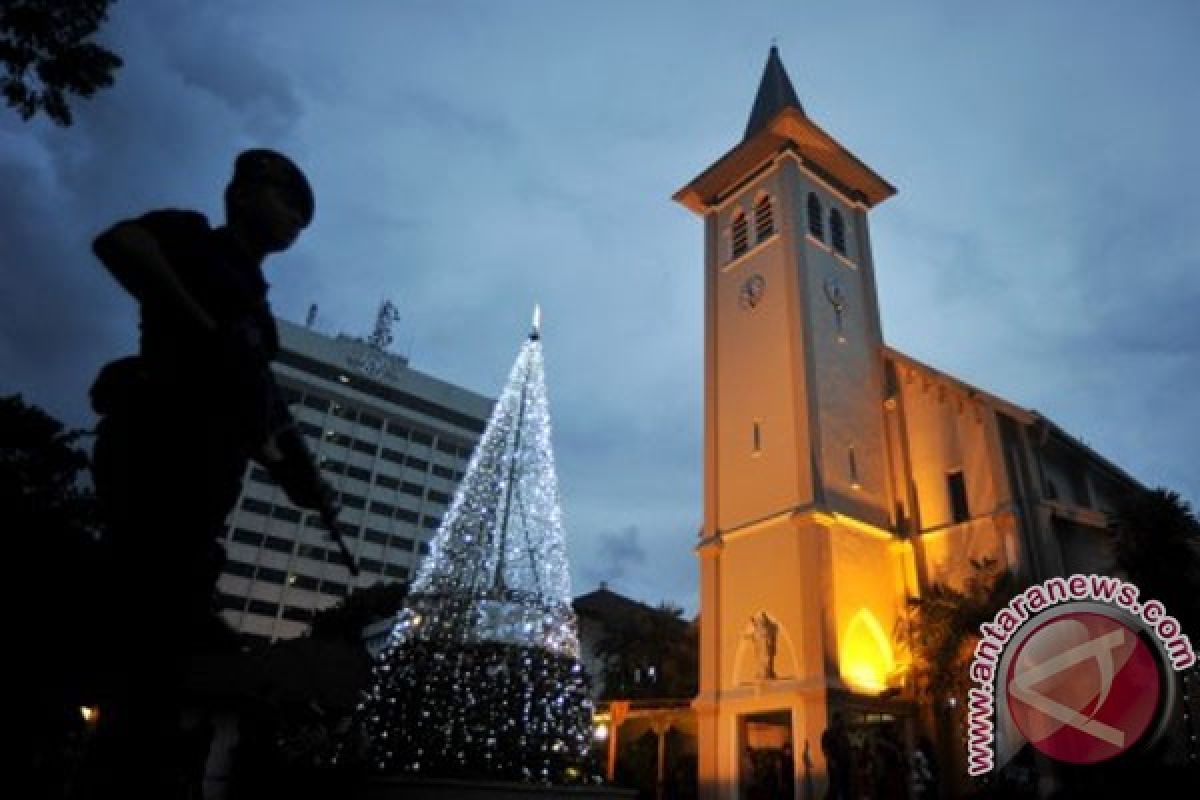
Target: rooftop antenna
[
  {"x": 311, "y": 319},
  {"x": 381, "y": 337}
]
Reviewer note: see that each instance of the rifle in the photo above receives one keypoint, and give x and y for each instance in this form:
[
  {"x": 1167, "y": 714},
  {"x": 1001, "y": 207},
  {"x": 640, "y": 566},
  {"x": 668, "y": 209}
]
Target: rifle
[
  {"x": 293, "y": 468},
  {"x": 329, "y": 515}
]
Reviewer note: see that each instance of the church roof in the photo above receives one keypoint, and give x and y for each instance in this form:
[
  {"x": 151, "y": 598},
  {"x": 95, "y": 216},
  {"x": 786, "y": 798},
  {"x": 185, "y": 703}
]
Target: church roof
[
  {"x": 1043, "y": 425},
  {"x": 775, "y": 93},
  {"x": 604, "y": 603}
]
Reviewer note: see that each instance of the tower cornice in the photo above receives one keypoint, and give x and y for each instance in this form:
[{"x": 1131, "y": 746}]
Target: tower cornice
[{"x": 790, "y": 128}]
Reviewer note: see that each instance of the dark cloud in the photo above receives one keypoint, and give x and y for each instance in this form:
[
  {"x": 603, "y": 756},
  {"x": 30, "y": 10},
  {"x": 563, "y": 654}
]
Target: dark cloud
[
  {"x": 163, "y": 136},
  {"x": 618, "y": 553},
  {"x": 57, "y": 307}
]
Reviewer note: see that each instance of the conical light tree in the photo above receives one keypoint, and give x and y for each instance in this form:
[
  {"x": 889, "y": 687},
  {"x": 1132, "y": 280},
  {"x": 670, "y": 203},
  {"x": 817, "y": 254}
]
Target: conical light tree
[{"x": 481, "y": 675}]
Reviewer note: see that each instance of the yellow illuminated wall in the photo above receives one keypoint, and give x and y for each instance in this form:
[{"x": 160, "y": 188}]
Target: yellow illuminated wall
[
  {"x": 872, "y": 575},
  {"x": 950, "y": 427}
]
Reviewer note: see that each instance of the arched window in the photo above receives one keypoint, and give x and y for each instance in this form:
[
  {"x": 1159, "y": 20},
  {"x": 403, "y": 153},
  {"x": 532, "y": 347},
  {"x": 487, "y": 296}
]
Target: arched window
[
  {"x": 837, "y": 231},
  {"x": 741, "y": 233},
  {"x": 815, "y": 225},
  {"x": 764, "y": 220}
]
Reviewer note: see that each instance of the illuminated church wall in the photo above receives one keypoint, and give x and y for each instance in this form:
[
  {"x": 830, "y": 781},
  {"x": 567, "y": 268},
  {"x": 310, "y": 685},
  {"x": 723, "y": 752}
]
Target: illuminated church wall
[
  {"x": 757, "y": 566},
  {"x": 872, "y": 577},
  {"x": 949, "y": 431}
]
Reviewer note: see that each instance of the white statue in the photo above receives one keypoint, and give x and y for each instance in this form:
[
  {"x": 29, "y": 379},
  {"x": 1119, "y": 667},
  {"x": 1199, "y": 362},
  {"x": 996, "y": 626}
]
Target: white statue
[{"x": 762, "y": 632}]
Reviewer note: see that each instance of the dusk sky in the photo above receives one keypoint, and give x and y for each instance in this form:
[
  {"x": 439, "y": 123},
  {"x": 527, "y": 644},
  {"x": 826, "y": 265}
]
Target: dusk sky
[{"x": 473, "y": 158}]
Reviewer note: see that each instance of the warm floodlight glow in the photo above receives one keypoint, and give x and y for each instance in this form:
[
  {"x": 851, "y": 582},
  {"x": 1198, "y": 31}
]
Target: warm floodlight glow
[
  {"x": 601, "y": 732},
  {"x": 88, "y": 713},
  {"x": 867, "y": 659}
]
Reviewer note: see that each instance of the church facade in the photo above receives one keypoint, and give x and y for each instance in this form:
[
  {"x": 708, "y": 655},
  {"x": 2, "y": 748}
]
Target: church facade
[{"x": 841, "y": 476}]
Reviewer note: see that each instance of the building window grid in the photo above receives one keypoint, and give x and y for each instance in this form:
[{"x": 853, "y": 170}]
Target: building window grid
[{"x": 325, "y": 436}]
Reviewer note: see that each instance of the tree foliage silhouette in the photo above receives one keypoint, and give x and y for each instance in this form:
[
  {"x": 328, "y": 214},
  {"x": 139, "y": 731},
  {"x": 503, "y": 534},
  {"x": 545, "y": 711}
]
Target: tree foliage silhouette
[
  {"x": 942, "y": 626},
  {"x": 50, "y": 518},
  {"x": 46, "y": 54},
  {"x": 1156, "y": 544},
  {"x": 649, "y": 653}
]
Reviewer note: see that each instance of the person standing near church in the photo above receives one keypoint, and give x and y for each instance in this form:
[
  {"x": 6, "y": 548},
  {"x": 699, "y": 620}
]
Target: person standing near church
[
  {"x": 179, "y": 422},
  {"x": 835, "y": 745},
  {"x": 787, "y": 771}
]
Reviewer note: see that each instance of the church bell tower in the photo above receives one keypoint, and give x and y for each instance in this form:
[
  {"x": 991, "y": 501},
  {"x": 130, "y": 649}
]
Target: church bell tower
[{"x": 803, "y": 573}]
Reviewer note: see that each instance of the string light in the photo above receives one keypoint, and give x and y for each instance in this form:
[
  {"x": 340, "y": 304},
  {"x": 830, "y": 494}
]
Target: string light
[{"x": 481, "y": 673}]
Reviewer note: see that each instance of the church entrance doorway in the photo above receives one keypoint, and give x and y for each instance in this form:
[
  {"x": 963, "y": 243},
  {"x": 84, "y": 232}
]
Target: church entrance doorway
[
  {"x": 766, "y": 764},
  {"x": 880, "y": 743}
]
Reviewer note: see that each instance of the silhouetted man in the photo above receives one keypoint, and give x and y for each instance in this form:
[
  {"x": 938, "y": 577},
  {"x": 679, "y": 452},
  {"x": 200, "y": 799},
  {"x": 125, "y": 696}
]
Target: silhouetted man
[
  {"x": 179, "y": 422},
  {"x": 787, "y": 772}
]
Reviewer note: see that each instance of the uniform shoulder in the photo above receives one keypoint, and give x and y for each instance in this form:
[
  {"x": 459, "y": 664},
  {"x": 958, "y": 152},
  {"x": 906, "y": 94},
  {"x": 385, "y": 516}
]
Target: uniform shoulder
[{"x": 173, "y": 220}]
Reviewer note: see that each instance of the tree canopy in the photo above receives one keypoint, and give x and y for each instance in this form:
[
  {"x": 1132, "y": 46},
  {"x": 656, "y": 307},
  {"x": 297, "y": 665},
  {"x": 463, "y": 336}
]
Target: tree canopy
[
  {"x": 1156, "y": 544},
  {"x": 649, "y": 653},
  {"x": 47, "y": 55},
  {"x": 49, "y": 515},
  {"x": 942, "y": 626},
  {"x": 48, "y": 509}
]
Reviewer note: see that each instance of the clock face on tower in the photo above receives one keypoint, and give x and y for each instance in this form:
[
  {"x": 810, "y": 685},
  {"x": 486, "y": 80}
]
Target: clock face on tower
[{"x": 751, "y": 292}]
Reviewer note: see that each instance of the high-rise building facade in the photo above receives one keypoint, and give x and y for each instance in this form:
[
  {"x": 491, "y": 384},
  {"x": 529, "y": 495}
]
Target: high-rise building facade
[{"x": 393, "y": 442}]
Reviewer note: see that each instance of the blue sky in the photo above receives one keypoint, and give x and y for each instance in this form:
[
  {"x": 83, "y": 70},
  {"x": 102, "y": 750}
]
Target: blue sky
[{"x": 473, "y": 158}]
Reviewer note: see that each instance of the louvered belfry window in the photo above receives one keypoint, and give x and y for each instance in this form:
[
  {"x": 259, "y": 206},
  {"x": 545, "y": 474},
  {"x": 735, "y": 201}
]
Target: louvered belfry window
[
  {"x": 741, "y": 234},
  {"x": 816, "y": 225},
  {"x": 764, "y": 219},
  {"x": 837, "y": 231}
]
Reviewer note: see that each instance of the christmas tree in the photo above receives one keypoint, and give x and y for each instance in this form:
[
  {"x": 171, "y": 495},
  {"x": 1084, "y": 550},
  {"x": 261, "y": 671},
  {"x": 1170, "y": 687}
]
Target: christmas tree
[{"x": 481, "y": 676}]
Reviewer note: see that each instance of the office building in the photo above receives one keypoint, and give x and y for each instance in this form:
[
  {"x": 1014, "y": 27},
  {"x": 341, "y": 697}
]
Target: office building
[{"x": 393, "y": 441}]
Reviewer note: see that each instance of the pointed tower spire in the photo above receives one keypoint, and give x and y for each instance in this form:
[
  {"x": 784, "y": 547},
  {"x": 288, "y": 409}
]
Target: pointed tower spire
[
  {"x": 775, "y": 93},
  {"x": 777, "y": 123}
]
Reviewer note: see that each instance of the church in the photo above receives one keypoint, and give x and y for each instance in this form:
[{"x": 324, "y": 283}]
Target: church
[{"x": 841, "y": 476}]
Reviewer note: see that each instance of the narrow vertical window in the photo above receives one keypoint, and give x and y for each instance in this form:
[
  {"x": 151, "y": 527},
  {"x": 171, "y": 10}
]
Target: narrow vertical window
[
  {"x": 854, "y": 482},
  {"x": 757, "y": 438},
  {"x": 764, "y": 220},
  {"x": 837, "y": 231},
  {"x": 741, "y": 234},
  {"x": 816, "y": 225},
  {"x": 956, "y": 487}
]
